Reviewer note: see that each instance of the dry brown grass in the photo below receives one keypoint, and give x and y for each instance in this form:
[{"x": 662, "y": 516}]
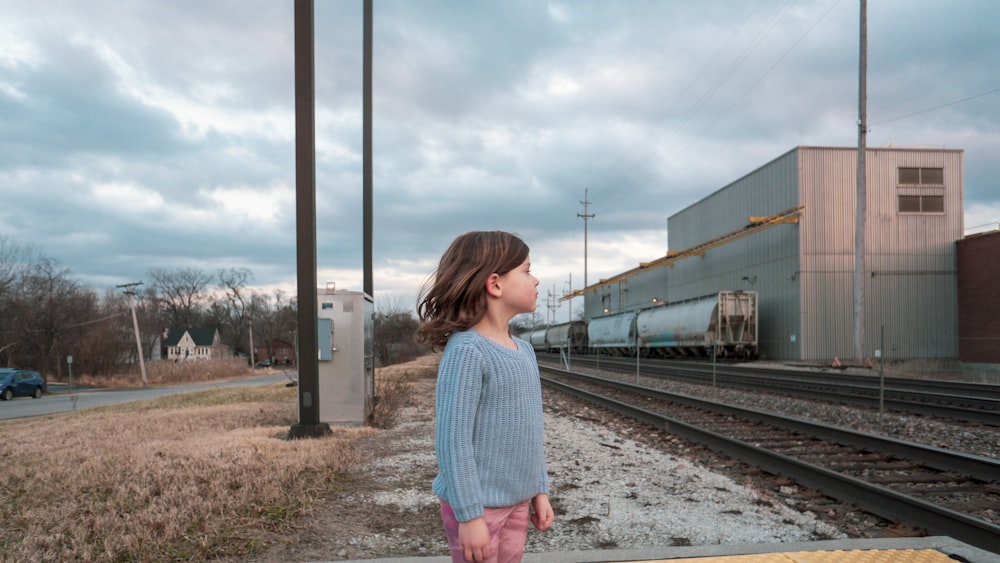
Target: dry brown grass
[
  {"x": 189, "y": 477},
  {"x": 393, "y": 386},
  {"x": 163, "y": 372}
]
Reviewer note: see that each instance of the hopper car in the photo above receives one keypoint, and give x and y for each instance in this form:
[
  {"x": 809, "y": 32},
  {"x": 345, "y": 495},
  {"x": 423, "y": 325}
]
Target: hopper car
[{"x": 724, "y": 323}]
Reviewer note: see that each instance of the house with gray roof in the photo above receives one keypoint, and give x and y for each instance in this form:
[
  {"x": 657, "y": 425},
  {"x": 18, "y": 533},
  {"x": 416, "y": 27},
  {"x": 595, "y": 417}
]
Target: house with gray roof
[{"x": 192, "y": 343}]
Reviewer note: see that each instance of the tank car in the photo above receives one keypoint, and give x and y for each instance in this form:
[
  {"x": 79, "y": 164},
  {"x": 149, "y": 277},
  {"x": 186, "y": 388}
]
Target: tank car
[
  {"x": 725, "y": 322},
  {"x": 613, "y": 334},
  {"x": 570, "y": 336},
  {"x": 537, "y": 339}
]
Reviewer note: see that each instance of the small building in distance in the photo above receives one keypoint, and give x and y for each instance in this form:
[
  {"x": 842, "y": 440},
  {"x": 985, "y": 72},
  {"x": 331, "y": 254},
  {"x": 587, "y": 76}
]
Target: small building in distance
[
  {"x": 278, "y": 352},
  {"x": 192, "y": 343}
]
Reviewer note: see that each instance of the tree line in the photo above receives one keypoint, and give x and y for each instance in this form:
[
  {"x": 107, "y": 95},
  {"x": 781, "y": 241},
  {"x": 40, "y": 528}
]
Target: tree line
[{"x": 46, "y": 315}]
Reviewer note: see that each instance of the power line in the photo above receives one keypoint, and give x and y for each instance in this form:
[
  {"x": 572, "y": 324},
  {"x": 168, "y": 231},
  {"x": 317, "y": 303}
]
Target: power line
[
  {"x": 935, "y": 108},
  {"x": 633, "y": 170},
  {"x": 102, "y": 319}
]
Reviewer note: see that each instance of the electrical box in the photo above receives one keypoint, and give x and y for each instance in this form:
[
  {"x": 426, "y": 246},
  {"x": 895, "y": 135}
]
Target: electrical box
[{"x": 345, "y": 330}]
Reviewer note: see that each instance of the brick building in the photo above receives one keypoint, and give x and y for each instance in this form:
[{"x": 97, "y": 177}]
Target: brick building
[{"x": 978, "y": 261}]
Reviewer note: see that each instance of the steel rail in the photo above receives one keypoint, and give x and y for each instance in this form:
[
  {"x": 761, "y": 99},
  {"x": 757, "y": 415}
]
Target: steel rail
[
  {"x": 879, "y": 500},
  {"x": 981, "y": 467},
  {"x": 893, "y": 399},
  {"x": 930, "y": 404},
  {"x": 976, "y": 397}
]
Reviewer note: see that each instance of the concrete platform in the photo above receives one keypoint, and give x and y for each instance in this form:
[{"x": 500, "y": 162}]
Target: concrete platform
[{"x": 935, "y": 549}]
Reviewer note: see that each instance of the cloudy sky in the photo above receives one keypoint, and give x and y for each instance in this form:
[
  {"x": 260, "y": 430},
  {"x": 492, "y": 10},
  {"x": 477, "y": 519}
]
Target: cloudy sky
[{"x": 149, "y": 134}]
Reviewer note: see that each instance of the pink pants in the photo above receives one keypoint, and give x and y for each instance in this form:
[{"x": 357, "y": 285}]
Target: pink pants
[{"x": 508, "y": 528}]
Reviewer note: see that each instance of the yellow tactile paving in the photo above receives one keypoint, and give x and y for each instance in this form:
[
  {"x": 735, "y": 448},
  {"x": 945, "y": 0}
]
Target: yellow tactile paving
[{"x": 836, "y": 556}]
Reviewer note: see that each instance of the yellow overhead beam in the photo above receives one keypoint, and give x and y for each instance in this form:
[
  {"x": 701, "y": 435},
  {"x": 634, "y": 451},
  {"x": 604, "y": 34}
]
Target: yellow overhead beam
[{"x": 755, "y": 225}]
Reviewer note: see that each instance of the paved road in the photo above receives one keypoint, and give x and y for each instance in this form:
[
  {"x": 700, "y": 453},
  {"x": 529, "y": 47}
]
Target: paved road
[{"x": 58, "y": 401}]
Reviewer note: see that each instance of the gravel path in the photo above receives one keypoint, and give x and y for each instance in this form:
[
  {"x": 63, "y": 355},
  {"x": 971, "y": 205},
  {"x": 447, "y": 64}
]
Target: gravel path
[{"x": 617, "y": 484}]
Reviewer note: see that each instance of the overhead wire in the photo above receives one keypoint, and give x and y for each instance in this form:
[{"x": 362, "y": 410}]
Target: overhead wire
[
  {"x": 763, "y": 75},
  {"x": 619, "y": 186},
  {"x": 935, "y": 108},
  {"x": 635, "y": 167}
]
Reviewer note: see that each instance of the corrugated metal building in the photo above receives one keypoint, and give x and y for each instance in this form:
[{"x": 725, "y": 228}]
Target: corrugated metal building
[{"x": 802, "y": 263}]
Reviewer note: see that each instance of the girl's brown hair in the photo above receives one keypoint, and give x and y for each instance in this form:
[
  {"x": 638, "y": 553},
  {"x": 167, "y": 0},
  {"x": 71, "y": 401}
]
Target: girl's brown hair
[{"x": 454, "y": 298}]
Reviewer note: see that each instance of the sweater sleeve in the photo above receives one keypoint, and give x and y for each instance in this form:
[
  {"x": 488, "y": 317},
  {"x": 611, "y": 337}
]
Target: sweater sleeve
[
  {"x": 544, "y": 482},
  {"x": 460, "y": 382}
]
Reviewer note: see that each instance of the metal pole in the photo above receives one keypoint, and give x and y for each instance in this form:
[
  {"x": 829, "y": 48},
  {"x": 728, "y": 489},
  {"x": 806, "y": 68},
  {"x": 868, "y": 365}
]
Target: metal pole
[
  {"x": 585, "y": 216},
  {"x": 881, "y": 374},
  {"x": 637, "y": 359},
  {"x": 569, "y": 315},
  {"x": 715, "y": 347},
  {"x": 366, "y": 155},
  {"x": 860, "y": 205},
  {"x": 309, "y": 424}
]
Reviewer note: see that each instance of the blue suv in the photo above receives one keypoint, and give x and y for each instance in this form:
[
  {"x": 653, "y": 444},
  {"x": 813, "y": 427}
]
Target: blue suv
[{"x": 20, "y": 382}]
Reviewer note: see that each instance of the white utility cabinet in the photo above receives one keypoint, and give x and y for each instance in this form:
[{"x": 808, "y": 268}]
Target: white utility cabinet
[{"x": 346, "y": 361}]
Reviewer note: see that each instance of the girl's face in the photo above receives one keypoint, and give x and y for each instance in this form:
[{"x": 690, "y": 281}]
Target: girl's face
[{"x": 520, "y": 288}]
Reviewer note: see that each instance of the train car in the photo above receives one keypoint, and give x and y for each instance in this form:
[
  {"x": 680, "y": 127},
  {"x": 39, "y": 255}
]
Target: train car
[
  {"x": 537, "y": 339},
  {"x": 725, "y": 322},
  {"x": 613, "y": 334},
  {"x": 571, "y": 336}
]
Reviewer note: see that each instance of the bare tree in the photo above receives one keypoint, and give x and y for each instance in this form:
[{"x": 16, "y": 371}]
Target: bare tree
[
  {"x": 50, "y": 306},
  {"x": 16, "y": 261},
  {"x": 103, "y": 344},
  {"x": 526, "y": 321},
  {"x": 236, "y": 313},
  {"x": 395, "y": 327},
  {"x": 46, "y": 315},
  {"x": 181, "y": 294}
]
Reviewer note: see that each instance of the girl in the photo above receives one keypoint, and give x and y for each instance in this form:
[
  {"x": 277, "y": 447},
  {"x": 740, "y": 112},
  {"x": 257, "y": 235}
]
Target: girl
[{"x": 488, "y": 428}]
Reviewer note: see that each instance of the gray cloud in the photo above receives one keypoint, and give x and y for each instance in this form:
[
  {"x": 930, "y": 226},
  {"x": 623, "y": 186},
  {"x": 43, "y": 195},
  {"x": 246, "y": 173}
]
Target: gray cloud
[{"x": 150, "y": 134}]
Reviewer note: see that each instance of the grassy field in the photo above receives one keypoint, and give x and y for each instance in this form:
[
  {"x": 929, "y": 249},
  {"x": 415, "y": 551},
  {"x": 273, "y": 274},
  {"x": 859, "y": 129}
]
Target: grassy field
[{"x": 196, "y": 476}]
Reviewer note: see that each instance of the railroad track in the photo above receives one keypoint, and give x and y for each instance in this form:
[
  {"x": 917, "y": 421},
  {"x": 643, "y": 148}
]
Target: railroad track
[
  {"x": 944, "y": 492},
  {"x": 969, "y": 402}
]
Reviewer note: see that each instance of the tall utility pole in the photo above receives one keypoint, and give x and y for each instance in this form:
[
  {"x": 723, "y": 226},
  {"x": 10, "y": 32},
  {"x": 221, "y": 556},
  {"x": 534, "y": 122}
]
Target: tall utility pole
[
  {"x": 366, "y": 151},
  {"x": 309, "y": 425},
  {"x": 569, "y": 318},
  {"x": 552, "y": 304},
  {"x": 135, "y": 325},
  {"x": 250, "y": 326},
  {"x": 585, "y": 216},
  {"x": 860, "y": 206}
]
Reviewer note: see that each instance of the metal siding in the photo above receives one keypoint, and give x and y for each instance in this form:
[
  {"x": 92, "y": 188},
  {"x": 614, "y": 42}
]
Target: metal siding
[
  {"x": 803, "y": 272},
  {"x": 828, "y": 183},
  {"x": 769, "y": 259},
  {"x": 909, "y": 258}
]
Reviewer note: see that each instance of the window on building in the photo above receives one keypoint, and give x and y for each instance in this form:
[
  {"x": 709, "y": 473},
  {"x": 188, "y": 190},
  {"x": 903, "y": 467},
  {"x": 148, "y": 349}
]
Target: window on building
[
  {"x": 921, "y": 176},
  {"x": 921, "y": 200},
  {"x": 921, "y": 204}
]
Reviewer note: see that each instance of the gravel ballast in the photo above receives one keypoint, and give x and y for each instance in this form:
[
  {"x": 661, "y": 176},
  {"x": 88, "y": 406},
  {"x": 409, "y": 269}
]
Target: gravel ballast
[{"x": 616, "y": 484}]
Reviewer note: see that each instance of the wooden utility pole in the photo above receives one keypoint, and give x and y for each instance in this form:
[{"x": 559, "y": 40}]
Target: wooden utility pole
[
  {"x": 135, "y": 325},
  {"x": 253, "y": 363},
  {"x": 861, "y": 203}
]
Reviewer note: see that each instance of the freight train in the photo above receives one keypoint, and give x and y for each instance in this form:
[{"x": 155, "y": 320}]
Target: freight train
[{"x": 724, "y": 323}]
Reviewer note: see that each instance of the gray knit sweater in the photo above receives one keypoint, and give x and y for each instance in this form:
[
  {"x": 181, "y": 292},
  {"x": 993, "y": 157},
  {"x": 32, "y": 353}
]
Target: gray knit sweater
[{"x": 488, "y": 432}]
